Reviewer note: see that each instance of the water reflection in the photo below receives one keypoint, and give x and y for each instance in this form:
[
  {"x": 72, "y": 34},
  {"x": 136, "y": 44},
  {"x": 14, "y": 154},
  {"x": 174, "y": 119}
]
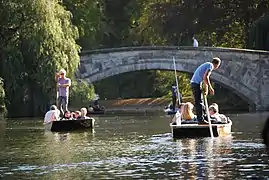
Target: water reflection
[
  {"x": 2, "y": 132},
  {"x": 131, "y": 147},
  {"x": 203, "y": 157}
]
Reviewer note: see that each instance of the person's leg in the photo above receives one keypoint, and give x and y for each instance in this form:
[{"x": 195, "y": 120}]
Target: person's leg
[
  {"x": 60, "y": 105},
  {"x": 65, "y": 104},
  {"x": 174, "y": 100},
  {"x": 196, "y": 90}
]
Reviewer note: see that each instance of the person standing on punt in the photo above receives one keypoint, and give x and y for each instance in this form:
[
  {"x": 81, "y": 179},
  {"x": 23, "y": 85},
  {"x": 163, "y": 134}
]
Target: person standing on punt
[
  {"x": 174, "y": 97},
  {"x": 63, "y": 84},
  {"x": 201, "y": 75}
]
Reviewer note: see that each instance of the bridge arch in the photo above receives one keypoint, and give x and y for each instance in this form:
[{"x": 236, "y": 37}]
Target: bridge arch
[{"x": 242, "y": 71}]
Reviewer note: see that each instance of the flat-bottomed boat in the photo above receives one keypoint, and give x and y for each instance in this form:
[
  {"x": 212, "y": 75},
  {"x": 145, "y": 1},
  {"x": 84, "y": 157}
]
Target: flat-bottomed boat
[
  {"x": 70, "y": 125},
  {"x": 192, "y": 130}
]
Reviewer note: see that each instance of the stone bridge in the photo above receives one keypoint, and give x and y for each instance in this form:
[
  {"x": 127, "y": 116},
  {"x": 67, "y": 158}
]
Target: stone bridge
[{"x": 244, "y": 72}]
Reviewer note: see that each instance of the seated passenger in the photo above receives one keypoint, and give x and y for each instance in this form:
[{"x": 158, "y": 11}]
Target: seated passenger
[
  {"x": 67, "y": 115},
  {"x": 187, "y": 112},
  {"x": 180, "y": 110},
  {"x": 215, "y": 115},
  {"x": 52, "y": 115},
  {"x": 84, "y": 113},
  {"x": 77, "y": 115}
]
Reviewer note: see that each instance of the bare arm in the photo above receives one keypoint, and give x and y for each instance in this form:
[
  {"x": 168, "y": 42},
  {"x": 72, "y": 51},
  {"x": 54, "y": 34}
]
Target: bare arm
[{"x": 206, "y": 80}]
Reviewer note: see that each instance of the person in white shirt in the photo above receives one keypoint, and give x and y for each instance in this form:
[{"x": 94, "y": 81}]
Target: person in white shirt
[
  {"x": 52, "y": 115},
  {"x": 195, "y": 42}
]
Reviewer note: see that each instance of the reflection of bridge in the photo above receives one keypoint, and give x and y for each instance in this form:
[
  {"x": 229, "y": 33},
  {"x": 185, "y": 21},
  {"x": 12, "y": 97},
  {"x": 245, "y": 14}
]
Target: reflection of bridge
[{"x": 245, "y": 72}]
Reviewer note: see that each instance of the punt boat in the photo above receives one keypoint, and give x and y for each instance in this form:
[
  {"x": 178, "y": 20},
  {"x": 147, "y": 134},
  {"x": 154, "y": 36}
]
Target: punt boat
[
  {"x": 96, "y": 111},
  {"x": 193, "y": 129},
  {"x": 70, "y": 125}
]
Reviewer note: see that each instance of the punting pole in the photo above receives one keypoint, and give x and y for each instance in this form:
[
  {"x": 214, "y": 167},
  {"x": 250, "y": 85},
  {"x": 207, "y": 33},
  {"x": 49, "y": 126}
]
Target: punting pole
[
  {"x": 178, "y": 95},
  {"x": 176, "y": 80},
  {"x": 208, "y": 116}
]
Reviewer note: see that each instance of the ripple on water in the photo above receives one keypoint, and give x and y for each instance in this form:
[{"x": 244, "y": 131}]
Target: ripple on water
[{"x": 128, "y": 149}]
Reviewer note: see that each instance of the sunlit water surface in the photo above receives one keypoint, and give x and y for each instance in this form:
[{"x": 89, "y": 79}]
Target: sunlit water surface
[{"x": 133, "y": 146}]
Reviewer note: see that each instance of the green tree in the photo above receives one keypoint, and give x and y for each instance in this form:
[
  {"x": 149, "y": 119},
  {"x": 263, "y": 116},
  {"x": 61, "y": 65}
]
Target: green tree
[
  {"x": 81, "y": 94},
  {"x": 89, "y": 18},
  {"x": 43, "y": 42},
  {"x": 259, "y": 34}
]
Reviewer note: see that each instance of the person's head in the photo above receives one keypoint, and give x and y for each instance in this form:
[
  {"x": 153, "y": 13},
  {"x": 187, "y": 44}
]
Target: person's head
[
  {"x": 213, "y": 109},
  {"x": 67, "y": 114},
  {"x": 181, "y": 105},
  {"x": 216, "y": 62},
  {"x": 193, "y": 38},
  {"x": 77, "y": 114},
  {"x": 83, "y": 112},
  {"x": 62, "y": 73},
  {"x": 187, "y": 113},
  {"x": 53, "y": 107}
]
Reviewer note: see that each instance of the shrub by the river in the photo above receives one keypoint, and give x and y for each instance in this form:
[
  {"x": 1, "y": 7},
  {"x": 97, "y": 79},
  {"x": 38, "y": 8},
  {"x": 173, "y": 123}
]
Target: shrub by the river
[{"x": 81, "y": 94}]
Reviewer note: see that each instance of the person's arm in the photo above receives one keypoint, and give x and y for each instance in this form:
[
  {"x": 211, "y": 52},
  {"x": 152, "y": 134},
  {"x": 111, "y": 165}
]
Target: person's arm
[
  {"x": 207, "y": 83},
  {"x": 207, "y": 79}
]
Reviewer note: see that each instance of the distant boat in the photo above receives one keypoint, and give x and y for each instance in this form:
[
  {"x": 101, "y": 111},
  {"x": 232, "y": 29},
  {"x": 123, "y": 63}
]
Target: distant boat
[
  {"x": 193, "y": 129},
  {"x": 70, "y": 125},
  {"x": 92, "y": 110}
]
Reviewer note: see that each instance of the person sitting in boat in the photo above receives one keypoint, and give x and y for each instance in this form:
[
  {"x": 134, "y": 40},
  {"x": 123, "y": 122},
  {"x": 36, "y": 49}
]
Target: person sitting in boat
[
  {"x": 77, "y": 115},
  {"x": 180, "y": 110},
  {"x": 67, "y": 115},
  {"x": 95, "y": 103},
  {"x": 215, "y": 115},
  {"x": 84, "y": 114},
  {"x": 52, "y": 115},
  {"x": 187, "y": 112}
]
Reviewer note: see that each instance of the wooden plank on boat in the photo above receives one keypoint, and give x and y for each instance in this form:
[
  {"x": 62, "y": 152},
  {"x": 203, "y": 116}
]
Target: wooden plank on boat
[
  {"x": 70, "y": 125},
  {"x": 196, "y": 130}
]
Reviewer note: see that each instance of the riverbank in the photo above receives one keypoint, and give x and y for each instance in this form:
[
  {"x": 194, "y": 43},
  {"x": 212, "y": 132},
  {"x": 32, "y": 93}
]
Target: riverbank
[{"x": 153, "y": 104}]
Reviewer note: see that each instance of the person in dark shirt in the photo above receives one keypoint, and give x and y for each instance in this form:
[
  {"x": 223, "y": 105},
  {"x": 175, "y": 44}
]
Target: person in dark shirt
[{"x": 174, "y": 97}]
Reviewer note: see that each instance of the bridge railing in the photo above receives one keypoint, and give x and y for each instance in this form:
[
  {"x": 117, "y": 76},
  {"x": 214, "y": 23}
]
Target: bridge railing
[{"x": 146, "y": 48}]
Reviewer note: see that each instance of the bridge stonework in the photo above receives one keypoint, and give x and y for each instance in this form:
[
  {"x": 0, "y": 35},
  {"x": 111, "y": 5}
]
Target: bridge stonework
[{"x": 245, "y": 72}]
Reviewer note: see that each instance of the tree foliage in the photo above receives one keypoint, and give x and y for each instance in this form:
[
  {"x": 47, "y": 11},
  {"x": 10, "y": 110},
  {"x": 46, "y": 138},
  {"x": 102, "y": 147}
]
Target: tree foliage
[
  {"x": 81, "y": 94},
  {"x": 43, "y": 40},
  {"x": 259, "y": 34},
  {"x": 37, "y": 38}
]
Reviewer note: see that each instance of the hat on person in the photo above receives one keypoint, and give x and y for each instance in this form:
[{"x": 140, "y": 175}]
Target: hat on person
[
  {"x": 62, "y": 71},
  {"x": 215, "y": 107}
]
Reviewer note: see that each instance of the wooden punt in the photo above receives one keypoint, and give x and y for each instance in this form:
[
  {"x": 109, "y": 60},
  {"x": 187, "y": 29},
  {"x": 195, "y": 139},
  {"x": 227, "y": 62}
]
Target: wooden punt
[
  {"x": 192, "y": 130},
  {"x": 70, "y": 125}
]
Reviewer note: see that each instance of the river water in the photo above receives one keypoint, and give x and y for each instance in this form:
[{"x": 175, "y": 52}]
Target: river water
[{"x": 131, "y": 146}]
